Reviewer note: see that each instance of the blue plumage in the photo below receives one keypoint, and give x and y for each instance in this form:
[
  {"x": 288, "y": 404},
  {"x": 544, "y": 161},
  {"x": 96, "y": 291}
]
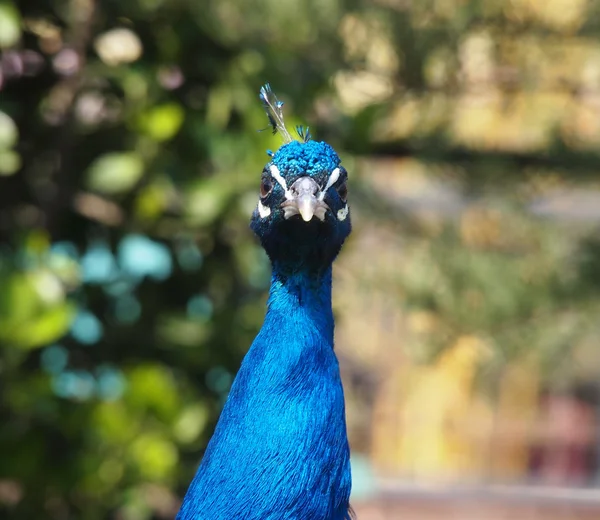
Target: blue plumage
[
  {"x": 280, "y": 449},
  {"x": 307, "y": 158}
]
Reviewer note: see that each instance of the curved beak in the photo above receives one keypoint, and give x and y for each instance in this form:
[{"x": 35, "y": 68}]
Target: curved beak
[{"x": 305, "y": 200}]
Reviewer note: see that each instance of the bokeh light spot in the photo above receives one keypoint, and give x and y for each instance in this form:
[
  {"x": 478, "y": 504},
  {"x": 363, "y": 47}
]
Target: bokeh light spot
[
  {"x": 127, "y": 309},
  {"x": 111, "y": 383},
  {"x": 200, "y": 306},
  {"x": 98, "y": 264},
  {"x": 87, "y": 328},
  {"x": 219, "y": 380},
  {"x": 54, "y": 359},
  {"x": 78, "y": 385},
  {"x": 140, "y": 256}
]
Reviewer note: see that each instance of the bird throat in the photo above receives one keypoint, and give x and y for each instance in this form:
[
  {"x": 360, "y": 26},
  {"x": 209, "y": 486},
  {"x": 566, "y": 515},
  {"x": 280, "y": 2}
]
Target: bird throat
[{"x": 306, "y": 292}]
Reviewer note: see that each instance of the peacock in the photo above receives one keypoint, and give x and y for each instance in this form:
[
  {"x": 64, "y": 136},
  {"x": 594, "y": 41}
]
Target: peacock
[{"x": 280, "y": 448}]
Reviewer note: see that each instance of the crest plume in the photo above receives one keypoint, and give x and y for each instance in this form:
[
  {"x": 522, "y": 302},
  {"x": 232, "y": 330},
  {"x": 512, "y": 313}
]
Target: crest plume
[
  {"x": 274, "y": 109},
  {"x": 303, "y": 133}
]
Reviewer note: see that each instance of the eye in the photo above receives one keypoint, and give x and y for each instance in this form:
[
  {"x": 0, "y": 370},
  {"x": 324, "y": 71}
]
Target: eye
[
  {"x": 342, "y": 190},
  {"x": 265, "y": 186}
]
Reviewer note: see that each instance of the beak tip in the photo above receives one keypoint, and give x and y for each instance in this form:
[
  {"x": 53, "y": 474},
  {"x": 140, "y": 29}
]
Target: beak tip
[{"x": 306, "y": 208}]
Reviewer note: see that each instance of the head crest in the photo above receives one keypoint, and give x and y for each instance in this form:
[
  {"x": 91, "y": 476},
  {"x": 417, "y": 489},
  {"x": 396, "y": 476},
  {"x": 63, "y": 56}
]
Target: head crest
[{"x": 274, "y": 109}]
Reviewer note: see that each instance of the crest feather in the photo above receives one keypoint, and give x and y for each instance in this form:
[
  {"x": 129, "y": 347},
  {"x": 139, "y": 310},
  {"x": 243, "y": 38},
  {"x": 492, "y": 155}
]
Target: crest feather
[
  {"x": 304, "y": 133},
  {"x": 274, "y": 109}
]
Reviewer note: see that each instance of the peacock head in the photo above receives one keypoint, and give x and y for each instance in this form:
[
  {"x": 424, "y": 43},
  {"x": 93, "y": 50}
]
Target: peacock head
[{"x": 302, "y": 216}]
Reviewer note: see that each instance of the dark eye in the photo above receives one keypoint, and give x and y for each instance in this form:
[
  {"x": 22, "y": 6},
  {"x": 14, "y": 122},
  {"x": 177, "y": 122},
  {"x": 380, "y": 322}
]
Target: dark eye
[
  {"x": 265, "y": 186},
  {"x": 342, "y": 190}
]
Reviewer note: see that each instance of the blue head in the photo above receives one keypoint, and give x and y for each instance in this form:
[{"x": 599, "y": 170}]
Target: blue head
[{"x": 302, "y": 216}]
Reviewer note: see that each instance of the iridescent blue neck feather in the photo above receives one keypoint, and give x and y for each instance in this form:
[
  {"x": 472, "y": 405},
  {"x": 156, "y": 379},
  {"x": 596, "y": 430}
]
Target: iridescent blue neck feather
[{"x": 280, "y": 449}]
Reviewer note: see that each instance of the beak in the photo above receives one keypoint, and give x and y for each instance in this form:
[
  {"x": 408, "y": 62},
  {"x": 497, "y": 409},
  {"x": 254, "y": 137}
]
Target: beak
[{"x": 305, "y": 201}]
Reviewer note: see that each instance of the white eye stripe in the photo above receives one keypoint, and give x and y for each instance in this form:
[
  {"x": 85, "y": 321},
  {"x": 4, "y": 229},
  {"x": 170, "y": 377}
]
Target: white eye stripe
[
  {"x": 275, "y": 173},
  {"x": 263, "y": 211},
  {"x": 335, "y": 175}
]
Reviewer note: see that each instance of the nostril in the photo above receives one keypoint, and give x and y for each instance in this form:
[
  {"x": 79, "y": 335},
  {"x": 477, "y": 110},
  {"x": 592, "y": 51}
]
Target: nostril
[{"x": 304, "y": 185}]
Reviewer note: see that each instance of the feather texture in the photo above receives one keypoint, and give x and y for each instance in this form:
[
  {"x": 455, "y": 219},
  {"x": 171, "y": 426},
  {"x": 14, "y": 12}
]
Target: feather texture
[
  {"x": 280, "y": 449},
  {"x": 274, "y": 109},
  {"x": 303, "y": 133}
]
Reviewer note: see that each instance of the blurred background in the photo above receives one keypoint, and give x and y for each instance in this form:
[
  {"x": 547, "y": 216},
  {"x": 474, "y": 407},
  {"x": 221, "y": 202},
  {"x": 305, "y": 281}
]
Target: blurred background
[{"x": 467, "y": 298}]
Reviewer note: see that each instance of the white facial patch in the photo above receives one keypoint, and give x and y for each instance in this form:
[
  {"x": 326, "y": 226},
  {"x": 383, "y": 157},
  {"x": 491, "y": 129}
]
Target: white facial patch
[
  {"x": 275, "y": 173},
  {"x": 335, "y": 175},
  {"x": 263, "y": 211},
  {"x": 343, "y": 213}
]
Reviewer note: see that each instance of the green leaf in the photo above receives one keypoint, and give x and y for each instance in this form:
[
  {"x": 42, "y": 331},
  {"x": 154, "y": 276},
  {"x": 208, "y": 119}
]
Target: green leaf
[
  {"x": 33, "y": 311},
  {"x": 152, "y": 386},
  {"x": 162, "y": 122},
  {"x": 152, "y": 199},
  {"x": 207, "y": 200},
  {"x": 115, "y": 172},
  {"x": 191, "y": 423},
  {"x": 18, "y": 300},
  {"x": 45, "y": 328},
  {"x": 10, "y": 162},
  {"x": 10, "y": 25},
  {"x": 115, "y": 423},
  {"x": 154, "y": 456},
  {"x": 9, "y": 134}
]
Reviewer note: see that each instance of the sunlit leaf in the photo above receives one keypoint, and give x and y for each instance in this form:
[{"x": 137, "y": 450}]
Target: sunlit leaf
[
  {"x": 111, "y": 471},
  {"x": 162, "y": 122},
  {"x": 10, "y": 162},
  {"x": 39, "y": 330},
  {"x": 152, "y": 200},
  {"x": 206, "y": 200},
  {"x": 191, "y": 423},
  {"x": 10, "y": 25},
  {"x": 177, "y": 330},
  {"x": 115, "y": 172},
  {"x": 152, "y": 387},
  {"x": 33, "y": 311},
  {"x": 18, "y": 299},
  {"x": 154, "y": 456},
  {"x": 9, "y": 134}
]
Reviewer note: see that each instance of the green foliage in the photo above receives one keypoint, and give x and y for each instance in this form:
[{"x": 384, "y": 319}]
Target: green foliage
[
  {"x": 10, "y": 29},
  {"x": 114, "y": 173},
  {"x": 130, "y": 155},
  {"x": 162, "y": 122}
]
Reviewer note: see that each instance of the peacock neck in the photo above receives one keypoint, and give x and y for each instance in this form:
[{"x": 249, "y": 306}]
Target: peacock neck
[
  {"x": 280, "y": 449},
  {"x": 304, "y": 298}
]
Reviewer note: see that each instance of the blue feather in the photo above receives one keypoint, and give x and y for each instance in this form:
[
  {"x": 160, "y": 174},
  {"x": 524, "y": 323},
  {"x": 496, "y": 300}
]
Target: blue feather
[
  {"x": 311, "y": 158},
  {"x": 280, "y": 449},
  {"x": 303, "y": 133}
]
